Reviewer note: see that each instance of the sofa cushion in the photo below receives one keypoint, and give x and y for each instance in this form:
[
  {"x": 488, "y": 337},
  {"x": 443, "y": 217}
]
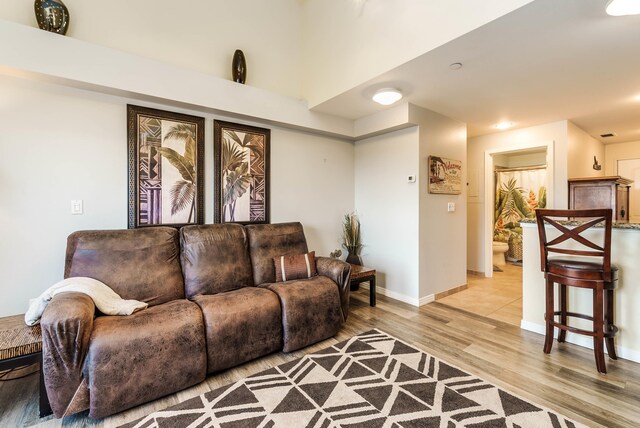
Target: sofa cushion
[
  {"x": 267, "y": 241},
  {"x": 310, "y": 310},
  {"x": 140, "y": 264},
  {"x": 240, "y": 325},
  {"x": 215, "y": 259},
  {"x": 138, "y": 358},
  {"x": 299, "y": 266}
]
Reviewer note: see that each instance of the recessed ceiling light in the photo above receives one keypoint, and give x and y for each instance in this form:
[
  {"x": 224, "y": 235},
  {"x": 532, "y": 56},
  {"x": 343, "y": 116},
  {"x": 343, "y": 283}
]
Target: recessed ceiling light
[
  {"x": 503, "y": 125},
  {"x": 623, "y": 7},
  {"x": 387, "y": 96},
  {"x": 455, "y": 66}
]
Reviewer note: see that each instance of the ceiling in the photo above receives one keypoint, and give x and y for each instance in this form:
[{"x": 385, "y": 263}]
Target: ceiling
[{"x": 549, "y": 60}]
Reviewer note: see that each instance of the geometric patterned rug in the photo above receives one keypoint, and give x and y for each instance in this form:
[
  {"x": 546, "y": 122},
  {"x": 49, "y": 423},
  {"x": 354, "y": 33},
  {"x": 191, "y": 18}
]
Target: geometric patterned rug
[{"x": 371, "y": 380}]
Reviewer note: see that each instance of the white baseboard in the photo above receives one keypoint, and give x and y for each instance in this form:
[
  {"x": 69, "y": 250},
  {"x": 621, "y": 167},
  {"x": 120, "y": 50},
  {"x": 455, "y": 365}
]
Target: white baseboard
[
  {"x": 580, "y": 340},
  {"x": 399, "y": 296},
  {"x": 427, "y": 299}
]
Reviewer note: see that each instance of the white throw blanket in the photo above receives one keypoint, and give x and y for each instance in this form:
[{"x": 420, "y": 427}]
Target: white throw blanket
[{"x": 105, "y": 299}]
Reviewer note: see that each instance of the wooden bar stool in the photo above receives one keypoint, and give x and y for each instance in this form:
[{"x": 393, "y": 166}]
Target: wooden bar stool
[{"x": 592, "y": 270}]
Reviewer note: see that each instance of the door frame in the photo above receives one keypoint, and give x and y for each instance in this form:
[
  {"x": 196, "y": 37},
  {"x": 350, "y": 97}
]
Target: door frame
[{"x": 490, "y": 194}]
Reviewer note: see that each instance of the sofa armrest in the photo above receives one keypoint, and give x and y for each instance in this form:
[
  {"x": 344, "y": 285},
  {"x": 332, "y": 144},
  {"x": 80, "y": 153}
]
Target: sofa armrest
[
  {"x": 66, "y": 325},
  {"x": 340, "y": 273}
]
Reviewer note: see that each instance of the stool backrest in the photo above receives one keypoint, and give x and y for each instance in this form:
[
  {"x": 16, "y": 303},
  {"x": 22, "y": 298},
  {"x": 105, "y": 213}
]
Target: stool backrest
[{"x": 591, "y": 218}]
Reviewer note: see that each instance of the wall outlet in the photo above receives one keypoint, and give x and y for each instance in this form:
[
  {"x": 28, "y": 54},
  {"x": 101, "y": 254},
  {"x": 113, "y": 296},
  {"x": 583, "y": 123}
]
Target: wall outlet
[
  {"x": 411, "y": 179},
  {"x": 451, "y": 207},
  {"x": 76, "y": 207}
]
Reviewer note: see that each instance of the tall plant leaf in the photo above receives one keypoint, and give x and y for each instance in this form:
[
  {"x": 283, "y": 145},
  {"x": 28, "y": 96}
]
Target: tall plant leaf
[
  {"x": 187, "y": 133},
  {"x": 232, "y": 155},
  {"x": 181, "y": 163},
  {"x": 182, "y": 195},
  {"x": 237, "y": 183}
]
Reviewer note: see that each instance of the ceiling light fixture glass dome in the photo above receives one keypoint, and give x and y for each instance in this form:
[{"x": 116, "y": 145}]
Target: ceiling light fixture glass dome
[
  {"x": 387, "y": 96},
  {"x": 623, "y": 7}
]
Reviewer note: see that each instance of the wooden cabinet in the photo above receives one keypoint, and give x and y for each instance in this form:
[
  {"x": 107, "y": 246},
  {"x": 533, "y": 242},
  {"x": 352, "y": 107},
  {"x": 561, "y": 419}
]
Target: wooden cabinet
[{"x": 601, "y": 192}]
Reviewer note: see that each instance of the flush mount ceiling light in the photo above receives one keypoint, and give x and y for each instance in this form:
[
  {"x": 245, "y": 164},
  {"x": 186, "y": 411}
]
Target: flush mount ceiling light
[
  {"x": 503, "y": 125},
  {"x": 387, "y": 96},
  {"x": 623, "y": 7}
]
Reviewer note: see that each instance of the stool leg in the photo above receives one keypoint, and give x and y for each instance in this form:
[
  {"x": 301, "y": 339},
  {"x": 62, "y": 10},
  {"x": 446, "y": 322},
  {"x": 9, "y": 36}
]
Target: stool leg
[
  {"x": 562, "y": 291},
  {"x": 548, "y": 316},
  {"x": 609, "y": 322},
  {"x": 598, "y": 329}
]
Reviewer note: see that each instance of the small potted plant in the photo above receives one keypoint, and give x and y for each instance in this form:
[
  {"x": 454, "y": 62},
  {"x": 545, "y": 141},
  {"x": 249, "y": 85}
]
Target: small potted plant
[{"x": 351, "y": 240}]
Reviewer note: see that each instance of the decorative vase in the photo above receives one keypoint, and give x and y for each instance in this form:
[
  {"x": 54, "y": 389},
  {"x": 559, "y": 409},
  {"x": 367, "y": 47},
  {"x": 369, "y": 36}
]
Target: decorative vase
[
  {"x": 239, "y": 67},
  {"x": 52, "y": 15},
  {"x": 354, "y": 258}
]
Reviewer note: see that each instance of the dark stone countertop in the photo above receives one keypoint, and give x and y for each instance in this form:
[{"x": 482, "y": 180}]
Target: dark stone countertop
[{"x": 625, "y": 226}]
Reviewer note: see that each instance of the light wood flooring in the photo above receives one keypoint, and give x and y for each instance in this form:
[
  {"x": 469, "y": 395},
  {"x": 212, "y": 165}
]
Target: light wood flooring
[
  {"x": 565, "y": 381},
  {"x": 498, "y": 298}
]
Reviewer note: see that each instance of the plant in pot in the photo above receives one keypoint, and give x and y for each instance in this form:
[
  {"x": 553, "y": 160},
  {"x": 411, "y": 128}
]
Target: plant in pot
[{"x": 351, "y": 239}]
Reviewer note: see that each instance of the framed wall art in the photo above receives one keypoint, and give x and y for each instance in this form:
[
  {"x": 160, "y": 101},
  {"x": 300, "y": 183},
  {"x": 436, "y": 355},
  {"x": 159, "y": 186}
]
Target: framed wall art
[
  {"x": 445, "y": 176},
  {"x": 166, "y": 168},
  {"x": 241, "y": 169}
]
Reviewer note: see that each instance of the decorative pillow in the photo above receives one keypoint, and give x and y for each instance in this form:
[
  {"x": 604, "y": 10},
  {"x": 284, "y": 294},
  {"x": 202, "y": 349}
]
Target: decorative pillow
[{"x": 295, "y": 267}]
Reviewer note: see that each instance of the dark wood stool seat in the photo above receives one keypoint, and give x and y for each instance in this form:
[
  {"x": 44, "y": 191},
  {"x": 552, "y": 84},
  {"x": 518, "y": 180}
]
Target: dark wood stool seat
[{"x": 592, "y": 271}]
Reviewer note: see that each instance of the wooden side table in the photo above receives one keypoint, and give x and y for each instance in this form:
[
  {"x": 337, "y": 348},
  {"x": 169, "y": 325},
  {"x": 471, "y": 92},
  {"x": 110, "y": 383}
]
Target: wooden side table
[
  {"x": 21, "y": 345},
  {"x": 361, "y": 274}
]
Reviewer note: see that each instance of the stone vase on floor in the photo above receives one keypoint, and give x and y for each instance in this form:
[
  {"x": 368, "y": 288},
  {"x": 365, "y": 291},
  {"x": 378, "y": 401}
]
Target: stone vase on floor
[{"x": 52, "y": 15}]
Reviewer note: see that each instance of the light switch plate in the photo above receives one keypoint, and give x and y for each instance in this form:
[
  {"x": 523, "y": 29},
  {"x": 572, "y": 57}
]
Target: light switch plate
[
  {"x": 451, "y": 207},
  {"x": 76, "y": 206},
  {"x": 411, "y": 179}
]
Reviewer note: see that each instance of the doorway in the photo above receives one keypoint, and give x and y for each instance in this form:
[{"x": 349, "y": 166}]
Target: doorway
[{"x": 525, "y": 156}]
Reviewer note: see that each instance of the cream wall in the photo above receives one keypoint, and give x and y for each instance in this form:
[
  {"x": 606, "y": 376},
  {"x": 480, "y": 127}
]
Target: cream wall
[
  {"x": 582, "y": 148},
  {"x": 615, "y": 152},
  {"x": 198, "y": 35},
  {"x": 555, "y": 132},
  {"x": 388, "y": 207},
  {"x": 60, "y": 144},
  {"x": 345, "y": 45},
  {"x": 443, "y": 234}
]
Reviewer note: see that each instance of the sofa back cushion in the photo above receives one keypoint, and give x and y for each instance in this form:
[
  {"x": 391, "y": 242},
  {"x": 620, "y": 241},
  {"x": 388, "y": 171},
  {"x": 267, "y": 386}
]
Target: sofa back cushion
[
  {"x": 267, "y": 241},
  {"x": 141, "y": 264},
  {"x": 215, "y": 259}
]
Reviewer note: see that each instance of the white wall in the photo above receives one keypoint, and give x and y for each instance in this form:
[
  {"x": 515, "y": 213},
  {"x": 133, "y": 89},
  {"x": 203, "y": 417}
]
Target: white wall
[
  {"x": 198, "y": 35},
  {"x": 582, "y": 148},
  {"x": 60, "y": 144},
  {"x": 443, "y": 234},
  {"x": 555, "y": 132},
  {"x": 388, "y": 208},
  {"x": 350, "y": 42}
]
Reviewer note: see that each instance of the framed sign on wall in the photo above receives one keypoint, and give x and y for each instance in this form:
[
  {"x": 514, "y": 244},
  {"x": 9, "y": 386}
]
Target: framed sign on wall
[{"x": 445, "y": 176}]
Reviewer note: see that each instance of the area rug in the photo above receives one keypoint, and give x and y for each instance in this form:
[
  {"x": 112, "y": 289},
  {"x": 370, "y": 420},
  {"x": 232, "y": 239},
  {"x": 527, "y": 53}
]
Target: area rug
[{"x": 371, "y": 380}]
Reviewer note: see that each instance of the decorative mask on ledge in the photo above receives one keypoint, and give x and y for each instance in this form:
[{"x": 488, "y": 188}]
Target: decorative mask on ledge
[{"x": 52, "y": 15}]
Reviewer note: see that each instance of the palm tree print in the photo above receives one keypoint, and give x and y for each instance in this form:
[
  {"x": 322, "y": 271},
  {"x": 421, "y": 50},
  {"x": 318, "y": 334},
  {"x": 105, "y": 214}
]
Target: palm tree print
[
  {"x": 237, "y": 148},
  {"x": 183, "y": 192}
]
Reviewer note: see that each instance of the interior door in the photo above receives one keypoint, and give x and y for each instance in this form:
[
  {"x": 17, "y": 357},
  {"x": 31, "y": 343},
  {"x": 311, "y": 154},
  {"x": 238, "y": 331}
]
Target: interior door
[{"x": 630, "y": 168}]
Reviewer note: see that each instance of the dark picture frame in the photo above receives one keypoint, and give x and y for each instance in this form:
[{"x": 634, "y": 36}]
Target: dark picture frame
[
  {"x": 166, "y": 168},
  {"x": 241, "y": 171}
]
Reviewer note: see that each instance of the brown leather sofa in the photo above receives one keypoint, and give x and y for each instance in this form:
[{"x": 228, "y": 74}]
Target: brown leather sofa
[{"x": 213, "y": 304}]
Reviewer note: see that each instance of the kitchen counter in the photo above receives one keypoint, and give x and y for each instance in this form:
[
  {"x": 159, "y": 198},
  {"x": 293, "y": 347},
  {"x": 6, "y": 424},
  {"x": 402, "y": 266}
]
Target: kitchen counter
[{"x": 625, "y": 253}]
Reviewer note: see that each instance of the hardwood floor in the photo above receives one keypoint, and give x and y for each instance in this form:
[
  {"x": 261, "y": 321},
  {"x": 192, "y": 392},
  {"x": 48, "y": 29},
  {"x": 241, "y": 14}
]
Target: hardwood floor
[{"x": 565, "y": 381}]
